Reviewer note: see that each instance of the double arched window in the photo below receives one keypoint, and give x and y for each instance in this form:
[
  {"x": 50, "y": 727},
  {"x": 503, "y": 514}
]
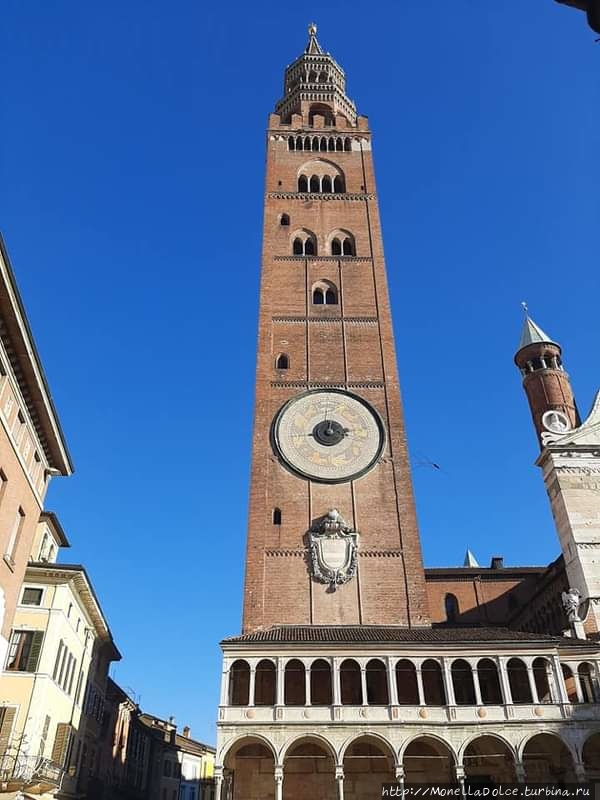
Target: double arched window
[
  {"x": 304, "y": 243},
  {"x": 324, "y": 293},
  {"x": 342, "y": 244}
]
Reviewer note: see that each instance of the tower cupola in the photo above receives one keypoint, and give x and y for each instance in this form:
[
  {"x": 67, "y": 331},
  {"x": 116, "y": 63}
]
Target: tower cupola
[
  {"x": 315, "y": 85},
  {"x": 545, "y": 381}
]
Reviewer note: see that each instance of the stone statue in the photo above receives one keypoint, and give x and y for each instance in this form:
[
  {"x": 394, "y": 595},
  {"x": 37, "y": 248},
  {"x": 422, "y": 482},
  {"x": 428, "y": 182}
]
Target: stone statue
[{"x": 570, "y": 602}]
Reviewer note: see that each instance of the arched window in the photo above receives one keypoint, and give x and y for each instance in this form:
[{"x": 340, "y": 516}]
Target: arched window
[
  {"x": 309, "y": 248},
  {"x": 338, "y": 184},
  {"x": 291, "y": 144},
  {"x": 331, "y": 143},
  {"x": 299, "y": 144},
  {"x": 433, "y": 683},
  {"x": 377, "y": 685},
  {"x": 320, "y": 683},
  {"x": 326, "y": 184},
  {"x": 284, "y": 219},
  {"x": 239, "y": 683},
  {"x": 348, "y": 247},
  {"x": 462, "y": 681},
  {"x": 276, "y": 516},
  {"x": 315, "y": 143},
  {"x": 336, "y": 248},
  {"x": 406, "y": 683},
  {"x": 282, "y": 361},
  {"x": 298, "y": 247},
  {"x": 265, "y": 683},
  {"x": 350, "y": 683},
  {"x": 323, "y": 145},
  {"x": 339, "y": 145},
  {"x": 315, "y": 184},
  {"x": 303, "y": 183},
  {"x": 347, "y": 145},
  {"x": 304, "y": 244},
  {"x": 451, "y": 606},
  {"x": 312, "y": 77},
  {"x": 323, "y": 77},
  {"x": 294, "y": 683},
  {"x": 324, "y": 293}
]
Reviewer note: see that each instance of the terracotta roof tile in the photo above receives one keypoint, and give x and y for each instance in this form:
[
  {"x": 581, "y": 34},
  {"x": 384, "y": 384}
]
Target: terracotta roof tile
[{"x": 332, "y": 634}]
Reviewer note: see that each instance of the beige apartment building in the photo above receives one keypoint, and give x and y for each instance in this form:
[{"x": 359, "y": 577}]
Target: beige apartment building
[
  {"x": 53, "y": 685},
  {"x": 32, "y": 445}
]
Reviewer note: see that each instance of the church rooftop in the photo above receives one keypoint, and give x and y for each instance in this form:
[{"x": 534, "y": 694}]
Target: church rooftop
[{"x": 333, "y": 634}]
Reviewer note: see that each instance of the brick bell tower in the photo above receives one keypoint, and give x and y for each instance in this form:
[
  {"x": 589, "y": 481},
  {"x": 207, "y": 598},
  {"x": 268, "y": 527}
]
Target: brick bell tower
[
  {"x": 570, "y": 462},
  {"x": 332, "y": 537}
]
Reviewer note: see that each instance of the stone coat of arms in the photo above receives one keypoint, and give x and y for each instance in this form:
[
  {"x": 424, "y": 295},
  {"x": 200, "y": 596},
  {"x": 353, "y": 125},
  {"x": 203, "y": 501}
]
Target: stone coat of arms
[{"x": 333, "y": 549}]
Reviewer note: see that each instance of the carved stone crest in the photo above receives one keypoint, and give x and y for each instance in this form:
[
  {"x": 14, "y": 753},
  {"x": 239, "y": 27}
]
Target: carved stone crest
[{"x": 333, "y": 549}]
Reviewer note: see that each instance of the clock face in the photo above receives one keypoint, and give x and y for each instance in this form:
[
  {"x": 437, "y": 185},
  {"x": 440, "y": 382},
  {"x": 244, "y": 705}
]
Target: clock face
[{"x": 328, "y": 436}]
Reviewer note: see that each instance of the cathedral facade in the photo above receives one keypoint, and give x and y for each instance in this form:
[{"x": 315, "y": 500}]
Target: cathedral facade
[{"x": 356, "y": 666}]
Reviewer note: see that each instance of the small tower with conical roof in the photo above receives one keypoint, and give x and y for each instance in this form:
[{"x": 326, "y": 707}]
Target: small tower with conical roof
[{"x": 545, "y": 381}]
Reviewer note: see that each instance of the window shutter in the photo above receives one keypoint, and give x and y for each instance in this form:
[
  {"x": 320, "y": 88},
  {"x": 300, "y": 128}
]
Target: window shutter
[
  {"x": 61, "y": 743},
  {"x": 7, "y": 717},
  {"x": 34, "y": 653}
]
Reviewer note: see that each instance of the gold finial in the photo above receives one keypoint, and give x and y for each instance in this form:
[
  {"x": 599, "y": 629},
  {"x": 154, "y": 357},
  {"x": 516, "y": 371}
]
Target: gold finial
[
  {"x": 312, "y": 29},
  {"x": 525, "y": 308}
]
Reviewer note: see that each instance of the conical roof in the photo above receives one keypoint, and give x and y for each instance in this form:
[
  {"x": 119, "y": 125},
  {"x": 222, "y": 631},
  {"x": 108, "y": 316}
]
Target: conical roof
[
  {"x": 313, "y": 47},
  {"x": 470, "y": 560},
  {"x": 532, "y": 334}
]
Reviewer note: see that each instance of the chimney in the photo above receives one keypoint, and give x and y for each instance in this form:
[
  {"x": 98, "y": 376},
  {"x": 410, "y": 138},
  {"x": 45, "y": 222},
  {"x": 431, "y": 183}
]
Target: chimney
[
  {"x": 497, "y": 562},
  {"x": 186, "y": 731}
]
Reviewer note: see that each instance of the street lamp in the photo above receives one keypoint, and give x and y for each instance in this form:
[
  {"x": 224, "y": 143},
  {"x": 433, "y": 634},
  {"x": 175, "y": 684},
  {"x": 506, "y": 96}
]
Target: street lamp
[{"x": 591, "y": 7}]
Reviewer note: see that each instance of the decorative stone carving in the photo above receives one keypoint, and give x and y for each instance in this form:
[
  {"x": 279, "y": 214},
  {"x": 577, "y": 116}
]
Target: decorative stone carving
[
  {"x": 333, "y": 549},
  {"x": 570, "y": 602}
]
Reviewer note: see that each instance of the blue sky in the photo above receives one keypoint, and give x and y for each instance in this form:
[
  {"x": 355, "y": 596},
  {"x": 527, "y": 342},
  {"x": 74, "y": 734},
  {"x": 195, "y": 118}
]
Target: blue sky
[{"x": 132, "y": 166}]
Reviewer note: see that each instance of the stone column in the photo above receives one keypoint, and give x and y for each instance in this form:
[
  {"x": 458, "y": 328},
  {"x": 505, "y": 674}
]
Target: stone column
[
  {"x": 420, "y": 690},
  {"x": 580, "y": 772},
  {"x": 460, "y": 777},
  {"x": 280, "y": 682},
  {"x": 520, "y": 772},
  {"x": 476, "y": 686},
  {"x": 448, "y": 685},
  {"x": 335, "y": 677},
  {"x": 400, "y": 776},
  {"x": 392, "y": 688},
  {"x": 218, "y": 775},
  {"x": 504, "y": 682},
  {"x": 278, "y": 782},
  {"x": 577, "y": 682},
  {"x": 227, "y": 787},
  {"x": 339, "y": 777},
  {"x": 252, "y": 685},
  {"x": 559, "y": 681},
  {"x": 225, "y": 684},
  {"x": 363, "y": 685},
  {"x": 306, "y": 685},
  {"x": 532, "y": 686}
]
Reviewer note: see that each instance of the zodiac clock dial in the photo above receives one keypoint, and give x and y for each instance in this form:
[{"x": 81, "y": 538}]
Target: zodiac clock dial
[{"x": 328, "y": 436}]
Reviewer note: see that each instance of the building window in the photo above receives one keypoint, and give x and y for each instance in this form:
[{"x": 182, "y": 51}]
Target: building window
[
  {"x": 24, "y": 651},
  {"x": 451, "y": 606},
  {"x": 15, "y": 535},
  {"x": 284, "y": 219},
  {"x": 282, "y": 361},
  {"x": 69, "y": 610},
  {"x": 324, "y": 293},
  {"x": 31, "y": 596},
  {"x": 276, "y": 516}
]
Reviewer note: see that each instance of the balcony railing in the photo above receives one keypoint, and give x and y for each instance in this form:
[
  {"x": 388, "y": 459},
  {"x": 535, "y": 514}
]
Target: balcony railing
[{"x": 25, "y": 772}]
